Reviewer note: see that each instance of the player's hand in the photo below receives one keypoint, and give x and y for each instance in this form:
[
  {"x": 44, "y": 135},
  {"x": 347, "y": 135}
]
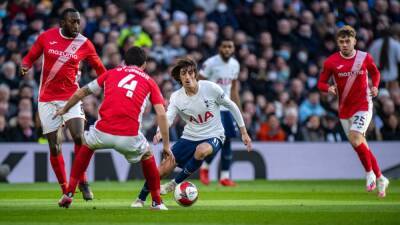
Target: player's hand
[
  {"x": 59, "y": 112},
  {"x": 167, "y": 154},
  {"x": 24, "y": 70},
  {"x": 247, "y": 141},
  {"x": 332, "y": 90},
  {"x": 157, "y": 138},
  {"x": 374, "y": 91}
]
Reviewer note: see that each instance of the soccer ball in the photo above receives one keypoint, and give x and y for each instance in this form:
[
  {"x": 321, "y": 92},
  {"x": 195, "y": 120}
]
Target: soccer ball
[{"x": 186, "y": 194}]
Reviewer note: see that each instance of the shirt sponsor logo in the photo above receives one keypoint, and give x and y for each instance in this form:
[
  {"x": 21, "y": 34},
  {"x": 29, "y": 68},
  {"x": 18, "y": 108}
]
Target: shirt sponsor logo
[
  {"x": 351, "y": 73},
  {"x": 53, "y": 42},
  {"x": 201, "y": 119},
  {"x": 64, "y": 54}
]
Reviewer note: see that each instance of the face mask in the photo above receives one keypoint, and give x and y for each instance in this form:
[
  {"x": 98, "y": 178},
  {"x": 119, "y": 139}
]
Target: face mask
[
  {"x": 221, "y": 7},
  {"x": 302, "y": 57},
  {"x": 284, "y": 54},
  {"x": 105, "y": 29},
  {"x": 3, "y": 13}
]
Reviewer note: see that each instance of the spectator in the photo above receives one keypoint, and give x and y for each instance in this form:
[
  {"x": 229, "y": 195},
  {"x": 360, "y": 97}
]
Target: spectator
[
  {"x": 391, "y": 129},
  {"x": 312, "y": 130},
  {"x": 24, "y": 130},
  {"x": 332, "y": 130},
  {"x": 291, "y": 126},
  {"x": 386, "y": 54},
  {"x": 311, "y": 106},
  {"x": 4, "y": 133},
  {"x": 271, "y": 130}
]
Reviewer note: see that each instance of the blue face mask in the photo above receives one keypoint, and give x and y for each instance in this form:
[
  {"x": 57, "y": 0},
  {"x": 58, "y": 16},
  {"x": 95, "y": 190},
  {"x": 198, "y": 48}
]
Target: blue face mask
[
  {"x": 3, "y": 13},
  {"x": 284, "y": 54}
]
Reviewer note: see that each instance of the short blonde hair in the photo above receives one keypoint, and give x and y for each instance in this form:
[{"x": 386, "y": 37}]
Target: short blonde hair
[{"x": 346, "y": 31}]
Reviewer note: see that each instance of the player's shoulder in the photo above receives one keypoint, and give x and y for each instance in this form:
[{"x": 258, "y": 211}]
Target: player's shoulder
[
  {"x": 212, "y": 60},
  {"x": 234, "y": 61},
  {"x": 208, "y": 86}
]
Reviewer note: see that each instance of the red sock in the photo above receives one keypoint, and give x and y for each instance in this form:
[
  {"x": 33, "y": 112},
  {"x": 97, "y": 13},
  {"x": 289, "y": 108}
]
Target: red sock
[
  {"x": 364, "y": 155},
  {"x": 83, "y": 178},
  {"x": 57, "y": 162},
  {"x": 152, "y": 176},
  {"x": 79, "y": 166},
  {"x": 375, "y": 166}
]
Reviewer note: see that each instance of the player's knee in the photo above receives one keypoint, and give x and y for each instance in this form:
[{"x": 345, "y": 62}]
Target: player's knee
[
  {"x": 147, "y": 155},
  {"x": 202, "y": 152},
  {"x": 55, "y": 149},
  {"x": 77, "y": 138},
  {"x": 355, "y": 138}
]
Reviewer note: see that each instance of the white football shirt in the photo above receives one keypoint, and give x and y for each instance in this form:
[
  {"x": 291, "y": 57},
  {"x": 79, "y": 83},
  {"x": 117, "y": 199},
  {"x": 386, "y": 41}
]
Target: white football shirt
[
  {"x": 201, "y": 112},
  {"x": 223, "y": 73}
]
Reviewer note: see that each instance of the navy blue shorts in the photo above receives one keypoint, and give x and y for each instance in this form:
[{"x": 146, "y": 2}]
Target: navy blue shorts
[
  {"x": 229, "y": 124},
  {"x": 184, "y": 149}
]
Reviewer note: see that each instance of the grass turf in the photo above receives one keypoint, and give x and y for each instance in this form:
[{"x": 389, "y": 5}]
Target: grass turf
[{"x": 256, "y": 202}]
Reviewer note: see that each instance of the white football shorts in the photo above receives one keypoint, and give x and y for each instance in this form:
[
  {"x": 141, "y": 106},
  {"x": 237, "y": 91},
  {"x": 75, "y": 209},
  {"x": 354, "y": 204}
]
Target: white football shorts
[
  {"x": 48, "y": 109},
  {"x": 358, "y": 122},
  {"x": 132, "y": 147}
]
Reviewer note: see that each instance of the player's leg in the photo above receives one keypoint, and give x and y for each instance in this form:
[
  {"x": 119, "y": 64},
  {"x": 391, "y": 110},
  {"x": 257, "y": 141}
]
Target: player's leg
[
  {"x": 75, "y": 120},
  {"x": 166, "y": 167},
  {"x": 203, "y": 149},
  {"x": 51, "y": 131},
  {"x": 92, "y": 141},
  {"x": 57, "y": 159},
  {"x": 226, "y": 152}
]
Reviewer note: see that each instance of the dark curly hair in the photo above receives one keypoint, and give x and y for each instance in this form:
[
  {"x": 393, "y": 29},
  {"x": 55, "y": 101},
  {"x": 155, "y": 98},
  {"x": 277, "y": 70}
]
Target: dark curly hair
[{"x": 183, "y": 63}]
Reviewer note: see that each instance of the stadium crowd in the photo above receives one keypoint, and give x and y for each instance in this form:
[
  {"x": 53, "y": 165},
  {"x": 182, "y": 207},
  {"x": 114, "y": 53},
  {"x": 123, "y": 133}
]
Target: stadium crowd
[{"x": 280, "y": 44}]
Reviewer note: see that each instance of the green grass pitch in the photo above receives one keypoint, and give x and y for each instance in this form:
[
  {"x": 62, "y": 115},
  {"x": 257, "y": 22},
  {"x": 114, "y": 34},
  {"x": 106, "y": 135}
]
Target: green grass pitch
[{"x": 253, "y": 202}]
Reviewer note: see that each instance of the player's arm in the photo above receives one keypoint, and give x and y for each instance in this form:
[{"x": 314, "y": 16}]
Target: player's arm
[
  {"x": 234, "y": 109},
  {"x": 34, "y": 53},
  {"x": 95, "y": 61},
  {"x": 323, "y": 82},
  {"x": 78, "y": 95},
  {"x": 162, "y": 122},
  {"x": 235, "y": 92},
  {"x": 171, "y": 114},
  {"x": 375, "y": 75}
]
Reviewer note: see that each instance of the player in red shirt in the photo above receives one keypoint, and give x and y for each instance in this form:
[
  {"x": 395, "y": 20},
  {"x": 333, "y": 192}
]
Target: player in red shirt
[
  {"x": 126, "y": 91},
  {"x": 62, "y": 49},
  {"x": 349, "y": 69}
]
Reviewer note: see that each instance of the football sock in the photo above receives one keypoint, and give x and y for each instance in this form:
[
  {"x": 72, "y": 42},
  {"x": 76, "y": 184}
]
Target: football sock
[
  {"x": 375, "y": 166},
  {"x": 152, "y": 176},
  {"x": 58, "y": 165},
  {"x": 189, "y": 168},
  {"x": 83, "y": 178},
  {"x": 205, "y": 165},
  {"x": 226, "y": 155},
  {"x": 80, "y": 165},
  {"x": 144, "y": 192},
  {"x": 364, "y": 155},
  {"x": 225, "y": 174}
]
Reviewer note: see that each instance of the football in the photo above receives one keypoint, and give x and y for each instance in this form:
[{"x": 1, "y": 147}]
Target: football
[{"x": 186, "y": 194}]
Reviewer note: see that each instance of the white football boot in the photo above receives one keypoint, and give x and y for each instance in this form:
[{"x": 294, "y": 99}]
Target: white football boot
[
  {"x": 371, "y": 181},
  {"x": 161, "y": 206},
  {"x": 168, "y": 187},
  {"x": 383, "y": 184},
  {"x": 138, "y": 203}
]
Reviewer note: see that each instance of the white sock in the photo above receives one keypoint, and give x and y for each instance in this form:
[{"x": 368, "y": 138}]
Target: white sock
[
  {"x": 370, "y": 173},
  {"x": 205, "y": 165},
  {"x": 225, "y": 174}
]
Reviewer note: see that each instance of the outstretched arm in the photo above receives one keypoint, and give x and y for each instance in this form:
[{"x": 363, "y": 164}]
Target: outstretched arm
[
  {"x": 234, "y": 109},
  {"x": 375, "y": 75},
  {"x": 32, "y": 56},
  {"x": 78, "y": 95},
  {"x": 162, "y": 122}
]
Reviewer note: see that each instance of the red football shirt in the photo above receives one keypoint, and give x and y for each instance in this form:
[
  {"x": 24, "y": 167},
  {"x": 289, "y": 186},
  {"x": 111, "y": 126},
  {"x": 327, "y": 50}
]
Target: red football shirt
[
  {"x": 126, "y": 90},
  {"x": 61, "y": 58},
  {"x": 351, "y": 78}
]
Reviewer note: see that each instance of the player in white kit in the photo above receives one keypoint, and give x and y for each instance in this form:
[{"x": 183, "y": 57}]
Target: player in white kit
[
  {"x": 223, "y": 70},
  {"x": 198, "y": 104}
]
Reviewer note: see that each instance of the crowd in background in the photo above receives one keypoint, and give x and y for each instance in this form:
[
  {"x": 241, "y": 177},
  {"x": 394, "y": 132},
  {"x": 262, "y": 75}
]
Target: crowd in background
[{"x": 280, "y": 44}]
